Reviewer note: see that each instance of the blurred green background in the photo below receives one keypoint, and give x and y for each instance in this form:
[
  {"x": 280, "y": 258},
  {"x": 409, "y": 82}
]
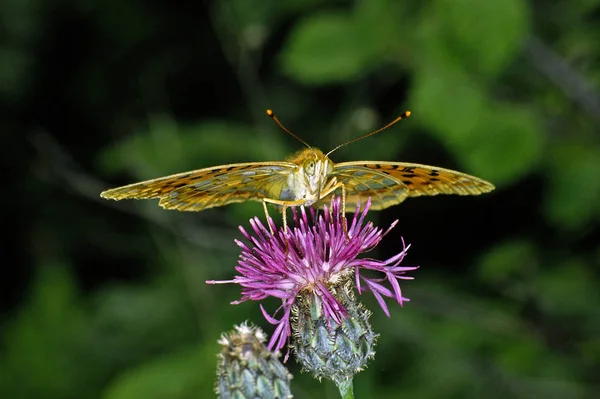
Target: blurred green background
[{"x": 103, "y": 299}]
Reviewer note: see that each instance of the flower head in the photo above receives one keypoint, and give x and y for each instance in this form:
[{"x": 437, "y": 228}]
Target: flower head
[{"x": 315, "y": 258}]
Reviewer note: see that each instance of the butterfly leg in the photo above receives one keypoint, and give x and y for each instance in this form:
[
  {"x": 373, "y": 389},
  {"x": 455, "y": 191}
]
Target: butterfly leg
[
  {"x": 284, "y": 213},
  {"x": 284, "y": 205},
  {"x": 267, "y": 216},
  {"x": 328, "y": 190},
  {"x": 344, "y": 220}
]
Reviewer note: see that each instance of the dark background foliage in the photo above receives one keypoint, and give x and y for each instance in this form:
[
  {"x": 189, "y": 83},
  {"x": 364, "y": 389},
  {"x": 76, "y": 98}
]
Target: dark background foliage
[{"x": 107, "y": 300}]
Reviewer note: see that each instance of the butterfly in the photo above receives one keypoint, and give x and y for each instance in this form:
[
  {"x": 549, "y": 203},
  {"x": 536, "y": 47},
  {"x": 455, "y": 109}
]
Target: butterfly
[{"x": 306, "y": 178}]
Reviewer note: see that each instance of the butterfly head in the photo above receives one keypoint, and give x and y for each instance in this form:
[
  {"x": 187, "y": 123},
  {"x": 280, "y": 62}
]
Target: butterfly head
[
  {"x": 310, "y": 176},
  {"x": 316, "y": 168}
]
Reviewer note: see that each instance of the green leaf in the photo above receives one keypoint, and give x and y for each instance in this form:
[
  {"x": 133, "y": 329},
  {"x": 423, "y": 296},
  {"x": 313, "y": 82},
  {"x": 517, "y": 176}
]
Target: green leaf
[
  {"x": 188, "y": 374},
  {"x": 381, "y": 23},
  {"x": 42, "y": 342},
  {"x": 485, "y": 35},
  {"x": 506, "y": 145},
  {"x": 170, "y": 148},
  {"x": 500, "y": 143},
  {"x": 148, "y": 153},
  {"x": 574, "y": 179},
  {"x": 326, "y": 48},
  {"x": 446, "y": 100}
]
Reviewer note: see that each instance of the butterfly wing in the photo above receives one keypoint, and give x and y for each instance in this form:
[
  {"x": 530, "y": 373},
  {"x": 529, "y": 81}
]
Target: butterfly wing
[
  {"x": 362, "y": 183},
  {"x": 390, "y": 183},
  {"x": 207, "y": 188}
]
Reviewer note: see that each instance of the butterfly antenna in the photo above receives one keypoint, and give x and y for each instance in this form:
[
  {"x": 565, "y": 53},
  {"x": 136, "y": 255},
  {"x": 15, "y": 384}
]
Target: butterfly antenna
[
  {"x": 404, "y": 115},
  {"x": 276, "y": 119}
]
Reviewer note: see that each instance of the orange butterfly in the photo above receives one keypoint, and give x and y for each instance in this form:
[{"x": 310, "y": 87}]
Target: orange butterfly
[{"x": 306, "y": 178}]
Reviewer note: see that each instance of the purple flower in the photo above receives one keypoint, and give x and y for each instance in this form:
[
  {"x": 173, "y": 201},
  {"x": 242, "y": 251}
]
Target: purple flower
[{"x": 311, "y": 257}]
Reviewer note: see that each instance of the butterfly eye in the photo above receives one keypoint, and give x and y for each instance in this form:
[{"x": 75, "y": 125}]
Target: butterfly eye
[{"x": 310, "y": 168}]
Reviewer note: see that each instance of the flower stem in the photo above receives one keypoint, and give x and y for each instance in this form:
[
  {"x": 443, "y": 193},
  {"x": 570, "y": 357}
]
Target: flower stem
[{"x": 346, "y": 389}]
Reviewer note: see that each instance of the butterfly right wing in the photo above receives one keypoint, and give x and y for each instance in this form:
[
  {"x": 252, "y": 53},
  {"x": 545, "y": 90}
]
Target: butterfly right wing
[
  {"x": 207, "y": 188},
  {"x": 390, "y": 183},
  {"x": 361, "y": 183},
  {"x": 424, "y": 179}
]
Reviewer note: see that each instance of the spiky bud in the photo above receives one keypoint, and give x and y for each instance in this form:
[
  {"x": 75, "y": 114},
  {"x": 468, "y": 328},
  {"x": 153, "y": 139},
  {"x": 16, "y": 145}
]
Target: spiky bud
[
  {"x": 248, "y": 370},
  {"x": 330, "y": 348}
]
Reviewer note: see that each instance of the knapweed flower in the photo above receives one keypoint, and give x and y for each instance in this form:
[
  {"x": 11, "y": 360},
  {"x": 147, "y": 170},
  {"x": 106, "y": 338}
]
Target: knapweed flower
[
  {"x": 246, "y": 369},
  {"x": 313, "y": 267}
]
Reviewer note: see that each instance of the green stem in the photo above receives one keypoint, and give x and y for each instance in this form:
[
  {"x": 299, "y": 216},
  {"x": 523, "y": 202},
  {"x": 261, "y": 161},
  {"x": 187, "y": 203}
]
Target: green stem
[{"x": 346, "y": 389}]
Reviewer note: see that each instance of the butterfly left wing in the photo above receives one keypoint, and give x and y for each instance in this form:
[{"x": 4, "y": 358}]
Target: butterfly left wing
[
  {"x": 251, "y": 184},
  {"x": 211, "y": 187},
  {"x": 390, "y": 183}
]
